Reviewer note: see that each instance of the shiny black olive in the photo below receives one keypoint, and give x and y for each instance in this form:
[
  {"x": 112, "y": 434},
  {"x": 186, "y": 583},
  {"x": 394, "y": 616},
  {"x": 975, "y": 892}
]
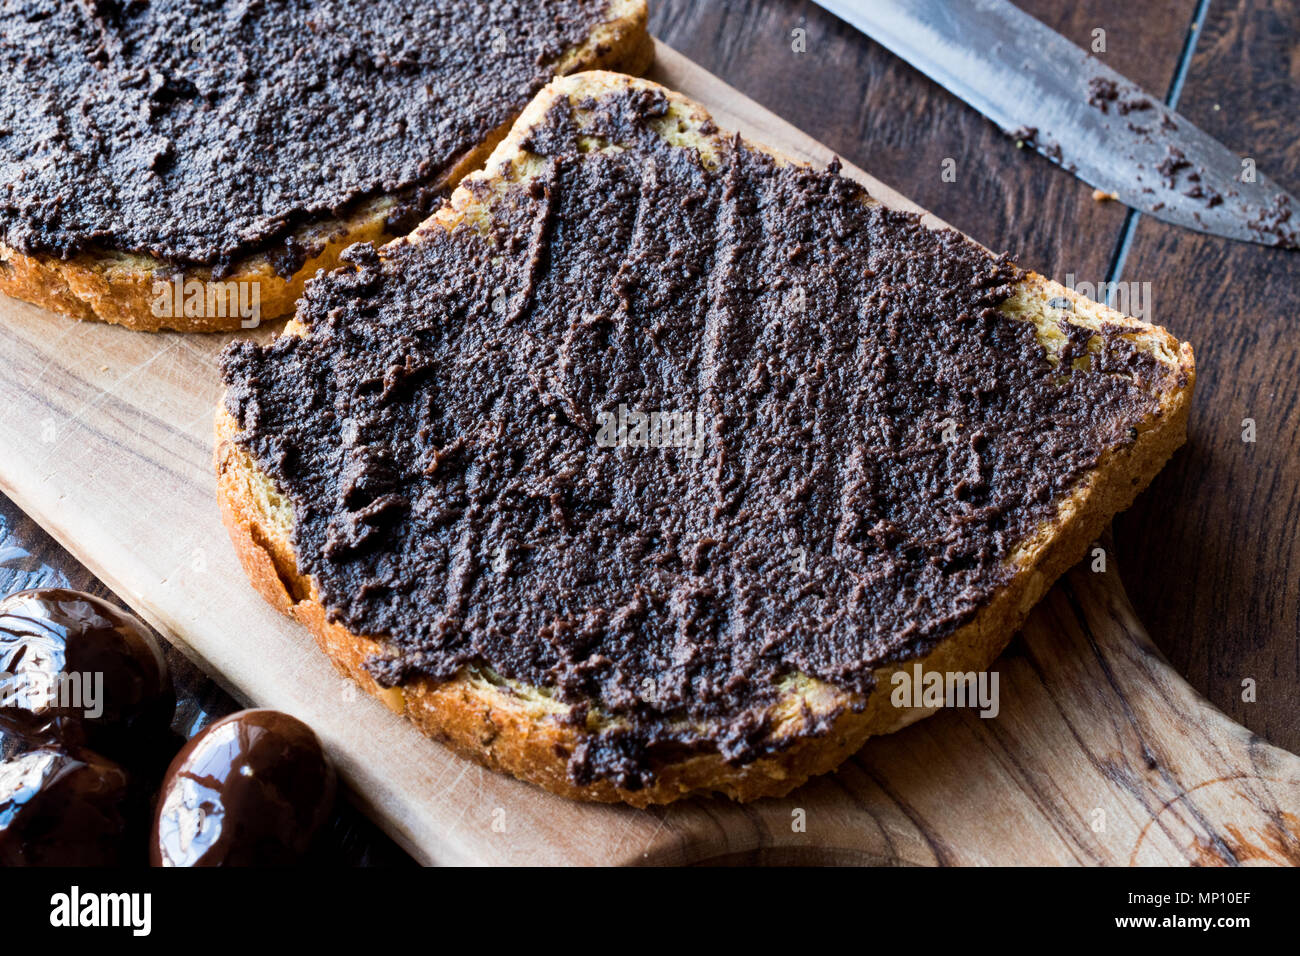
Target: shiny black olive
[
  {"x": 77, "y": 669},
  {"x": 253, "y": 789},
  {"x": 64, "y": 808}
]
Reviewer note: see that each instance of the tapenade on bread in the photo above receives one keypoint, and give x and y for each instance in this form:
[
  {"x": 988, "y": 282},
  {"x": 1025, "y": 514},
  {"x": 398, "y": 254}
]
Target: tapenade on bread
[{"x": 641, "y": 467}]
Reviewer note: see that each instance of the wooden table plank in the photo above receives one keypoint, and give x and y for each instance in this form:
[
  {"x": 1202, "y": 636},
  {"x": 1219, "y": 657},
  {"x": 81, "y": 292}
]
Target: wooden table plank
[
  {"x": 881, "y": 114},
  {"x": 1212, "y": 551}
]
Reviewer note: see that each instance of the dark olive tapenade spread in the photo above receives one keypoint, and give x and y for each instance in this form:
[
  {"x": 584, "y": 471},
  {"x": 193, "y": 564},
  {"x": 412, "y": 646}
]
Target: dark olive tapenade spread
[
  {"x": 851, "y": 439},
  {"x": 198, "y": 132}
]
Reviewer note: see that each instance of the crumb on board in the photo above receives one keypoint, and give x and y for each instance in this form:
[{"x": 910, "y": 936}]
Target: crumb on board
[{"x": 1100, "y": 195}]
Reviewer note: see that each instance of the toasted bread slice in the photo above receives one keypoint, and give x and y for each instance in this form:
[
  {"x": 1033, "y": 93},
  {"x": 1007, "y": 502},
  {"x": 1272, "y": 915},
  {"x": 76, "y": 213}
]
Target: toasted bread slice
[
  {"x": 120, "y": 287},
  {"x": 520, "y": 729}
]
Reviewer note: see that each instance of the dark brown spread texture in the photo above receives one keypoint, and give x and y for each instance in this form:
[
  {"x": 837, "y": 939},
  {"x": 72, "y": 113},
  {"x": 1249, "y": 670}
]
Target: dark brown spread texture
[
  {"x": 199, "y": 131},
  {"x": 874, "y": 437}
]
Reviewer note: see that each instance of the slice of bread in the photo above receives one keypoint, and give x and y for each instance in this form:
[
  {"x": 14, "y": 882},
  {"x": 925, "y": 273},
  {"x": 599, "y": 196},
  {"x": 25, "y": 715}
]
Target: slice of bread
[
  {"x": 119, "y": 287},
  {"x": 520, "y": 729}
]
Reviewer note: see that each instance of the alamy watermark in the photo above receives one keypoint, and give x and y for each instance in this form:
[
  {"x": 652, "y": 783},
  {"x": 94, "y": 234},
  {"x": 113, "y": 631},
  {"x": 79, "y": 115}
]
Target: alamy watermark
[
  {"x": 42, "y": 692},
  {"x": 631, "y": 428},
  {"x": 932, "y": 689},
  {"x": 179, "y": 297},
  {"x": 75, "y": 908},
  {"x": 1130, "y": 298}
]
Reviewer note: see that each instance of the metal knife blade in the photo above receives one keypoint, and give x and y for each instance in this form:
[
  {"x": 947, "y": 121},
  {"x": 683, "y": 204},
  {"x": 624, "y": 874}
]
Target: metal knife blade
[{"x": 1079, "y": 113}]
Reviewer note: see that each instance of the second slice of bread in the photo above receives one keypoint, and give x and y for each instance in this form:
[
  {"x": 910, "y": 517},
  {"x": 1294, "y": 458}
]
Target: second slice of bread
[{"x": 121, "y": 287}]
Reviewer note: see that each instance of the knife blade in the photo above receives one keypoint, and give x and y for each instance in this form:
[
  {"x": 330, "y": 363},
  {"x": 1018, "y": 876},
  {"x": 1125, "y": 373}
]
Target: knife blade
[{"x": 1080, "y": 114}]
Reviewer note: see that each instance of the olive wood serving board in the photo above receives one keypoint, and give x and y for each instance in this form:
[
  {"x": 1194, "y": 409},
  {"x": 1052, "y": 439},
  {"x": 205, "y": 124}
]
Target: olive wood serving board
[{"x": 1100, "y": 754}]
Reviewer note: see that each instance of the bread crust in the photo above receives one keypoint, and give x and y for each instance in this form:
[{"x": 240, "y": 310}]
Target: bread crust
[
  {"x": 119, "y": 287},
  {"x": 521, "y": 731}
]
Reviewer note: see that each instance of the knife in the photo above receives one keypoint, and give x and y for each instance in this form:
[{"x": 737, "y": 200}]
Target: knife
[{"x": 1080, "y": 114}]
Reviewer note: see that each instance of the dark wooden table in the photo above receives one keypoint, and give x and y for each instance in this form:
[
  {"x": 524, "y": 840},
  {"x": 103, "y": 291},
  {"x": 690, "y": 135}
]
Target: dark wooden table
[{"x": 1210, "y": 554}]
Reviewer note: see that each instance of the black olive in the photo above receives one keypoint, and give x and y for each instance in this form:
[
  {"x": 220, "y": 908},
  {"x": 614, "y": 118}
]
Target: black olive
[
  {"x": 77, "y": 669},
  {"x": 253, "y": 789},
  {"x": 64, "y": 808}
]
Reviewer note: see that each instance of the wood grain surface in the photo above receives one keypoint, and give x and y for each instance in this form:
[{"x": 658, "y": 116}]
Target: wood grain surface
[
  {"x": 1100, "y": 754},
  {"x": 1213, "y": 551}
]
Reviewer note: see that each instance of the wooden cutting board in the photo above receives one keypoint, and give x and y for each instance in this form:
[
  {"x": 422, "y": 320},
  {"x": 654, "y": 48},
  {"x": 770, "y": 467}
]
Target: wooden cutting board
[{"x": 1100, "y": 754}]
